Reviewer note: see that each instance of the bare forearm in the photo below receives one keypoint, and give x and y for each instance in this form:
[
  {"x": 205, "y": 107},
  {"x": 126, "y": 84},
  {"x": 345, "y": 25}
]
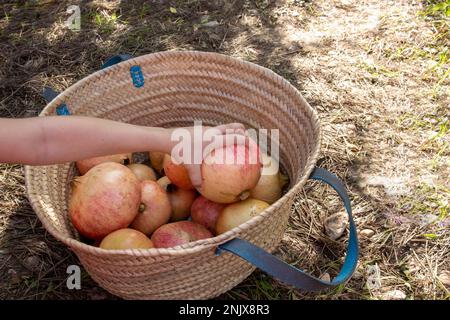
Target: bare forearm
[{"x": 53, "y": 140}]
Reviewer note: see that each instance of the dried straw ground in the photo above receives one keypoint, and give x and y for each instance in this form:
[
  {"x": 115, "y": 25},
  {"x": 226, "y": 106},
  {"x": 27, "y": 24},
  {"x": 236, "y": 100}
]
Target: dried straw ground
[{"x": 377, "y": 71}]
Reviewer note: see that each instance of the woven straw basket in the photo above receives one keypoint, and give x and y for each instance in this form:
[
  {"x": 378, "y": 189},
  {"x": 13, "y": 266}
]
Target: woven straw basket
[{"x": 178, "y": 88}]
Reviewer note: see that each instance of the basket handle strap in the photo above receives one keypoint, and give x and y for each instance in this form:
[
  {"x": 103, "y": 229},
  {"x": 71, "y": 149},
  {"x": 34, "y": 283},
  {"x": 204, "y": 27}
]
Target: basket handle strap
[
  {"x": 290, "y": 274},
  {"x": 49, "y": 93},
  {"x": 116, "y": 59}
]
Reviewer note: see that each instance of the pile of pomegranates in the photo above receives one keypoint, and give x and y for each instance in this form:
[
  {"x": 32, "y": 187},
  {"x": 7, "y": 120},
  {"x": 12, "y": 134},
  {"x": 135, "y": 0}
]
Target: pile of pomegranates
[{"x": 117, "y": 204}]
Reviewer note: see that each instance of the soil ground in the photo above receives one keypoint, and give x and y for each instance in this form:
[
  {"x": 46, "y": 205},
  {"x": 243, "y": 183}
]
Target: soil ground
[{"x": 377, "y": 72}]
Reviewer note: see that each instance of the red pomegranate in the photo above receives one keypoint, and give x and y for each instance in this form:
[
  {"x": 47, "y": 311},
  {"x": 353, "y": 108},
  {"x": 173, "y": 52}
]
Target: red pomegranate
[
  {"x": 86, "y": 164},
  {"x": 229, "y": 173},
  {"x": 178, "y": 233},
  {"x": 180, "y": 199},
  {"x": 206, "y": 212},
  {"x": 177, "y": 173},
  {"x": 105, "y": 199},
  {"x": 154, "y": 210}
]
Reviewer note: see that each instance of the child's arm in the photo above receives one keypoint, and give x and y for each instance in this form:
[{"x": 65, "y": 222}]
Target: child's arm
[{"x": 52, "y": 140}]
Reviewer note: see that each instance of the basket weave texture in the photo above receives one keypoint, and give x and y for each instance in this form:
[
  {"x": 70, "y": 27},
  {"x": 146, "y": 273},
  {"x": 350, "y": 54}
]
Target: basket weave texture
[{"x": 181, "y": 87}]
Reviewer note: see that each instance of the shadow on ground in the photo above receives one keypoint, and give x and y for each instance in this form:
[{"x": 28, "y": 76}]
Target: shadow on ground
[{"x": 38, "y": 50}]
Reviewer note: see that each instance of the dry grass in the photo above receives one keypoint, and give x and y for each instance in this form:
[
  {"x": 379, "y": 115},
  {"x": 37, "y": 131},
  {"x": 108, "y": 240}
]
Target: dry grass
[{"x": 378, "y": 73}]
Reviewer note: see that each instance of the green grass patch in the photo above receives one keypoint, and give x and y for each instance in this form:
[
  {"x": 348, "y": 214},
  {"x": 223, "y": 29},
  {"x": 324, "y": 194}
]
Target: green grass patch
[
  {"x": 377, "y": 70},
  {"x": 437, "y": 141},
  {"x": 437, "y": 8},
  {"x": 427, "y": 200},
  {"x": 103, "y": 21},
  {"x": 106, "y": 22},
  {"x": 438, "y": 12}
]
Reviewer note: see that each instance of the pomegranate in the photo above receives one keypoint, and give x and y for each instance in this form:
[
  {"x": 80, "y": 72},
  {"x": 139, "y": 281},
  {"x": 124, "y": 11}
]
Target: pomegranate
[
  {"x": 180, "y": 199},
  {"x": 178, "y": 233},
  {"x": 156, "y": 159},
  {"x": 126, "y": 239},
  {"x": 229, "y": 173},
  {"x": 238, "y": 213},
  {"x": 206, "y": 212},
  {"x": 269, "y": 186},
  {"x": 142, "y": 171},
  {"x": 154, "y": 210},
  {"x": 105, "y": 199},
  {"x": 86, "y": 164},
  {"x": 177, "y": 173}
]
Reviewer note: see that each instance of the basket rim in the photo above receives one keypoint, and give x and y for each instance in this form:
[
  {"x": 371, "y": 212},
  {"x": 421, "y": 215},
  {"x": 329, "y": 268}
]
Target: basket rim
[{"x": 196, "y": 246}]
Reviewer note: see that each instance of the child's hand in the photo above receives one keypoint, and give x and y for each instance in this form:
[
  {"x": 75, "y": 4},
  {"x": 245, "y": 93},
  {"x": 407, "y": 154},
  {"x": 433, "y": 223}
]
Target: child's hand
[{"x": 215, "y": 137}]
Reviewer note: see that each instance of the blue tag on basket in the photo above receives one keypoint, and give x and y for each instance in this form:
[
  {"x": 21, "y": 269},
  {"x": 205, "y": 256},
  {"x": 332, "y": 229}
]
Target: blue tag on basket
[
  {"x": 137, "y": 76},
  {"x": 62, "y": 110}
]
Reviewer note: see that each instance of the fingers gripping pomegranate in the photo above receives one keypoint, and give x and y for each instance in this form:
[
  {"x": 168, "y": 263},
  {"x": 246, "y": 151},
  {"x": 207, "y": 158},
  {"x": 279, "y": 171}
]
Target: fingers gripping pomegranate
[{"x": 229, "y": 173}]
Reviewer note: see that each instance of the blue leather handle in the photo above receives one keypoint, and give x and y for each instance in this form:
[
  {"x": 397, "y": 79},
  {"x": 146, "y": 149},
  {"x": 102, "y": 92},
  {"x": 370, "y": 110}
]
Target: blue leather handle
[
  {"x": 116, "y": 59},
  {"x": 292, "y": 275},
  {"x": 49, "y": 94}
]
